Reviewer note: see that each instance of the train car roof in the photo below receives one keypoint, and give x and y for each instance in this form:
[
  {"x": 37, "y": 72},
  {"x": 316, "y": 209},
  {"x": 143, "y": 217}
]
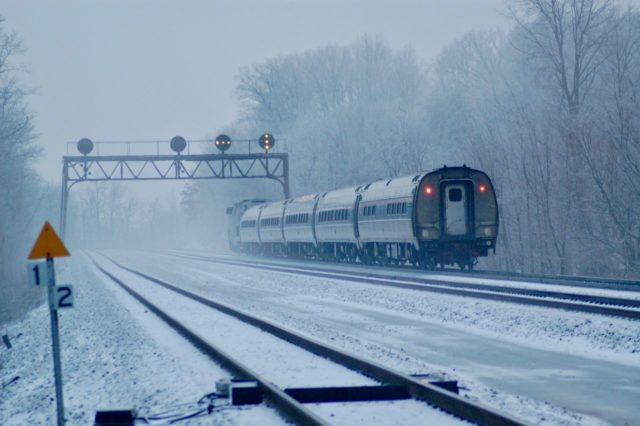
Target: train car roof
[
  {"x": 391, "y": 188},
  {"x": 252, "y": 212},
  {"x": 273, "y": 209}
]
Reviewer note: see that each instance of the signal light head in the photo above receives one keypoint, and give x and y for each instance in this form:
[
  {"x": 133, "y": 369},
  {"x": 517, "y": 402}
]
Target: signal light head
[
  {"x": 178, "y": 144},
  {"x": 85, "y": 146},
  {"x": 223, "y": 142},
  {"x": 267, "y": 141}
]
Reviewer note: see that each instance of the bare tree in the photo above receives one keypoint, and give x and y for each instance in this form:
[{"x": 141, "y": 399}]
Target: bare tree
[{"x": 19, "y": 188}]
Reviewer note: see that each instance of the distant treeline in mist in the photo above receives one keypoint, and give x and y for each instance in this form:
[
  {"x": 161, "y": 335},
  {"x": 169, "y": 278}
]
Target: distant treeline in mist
[{"x": 550, "y": 109}]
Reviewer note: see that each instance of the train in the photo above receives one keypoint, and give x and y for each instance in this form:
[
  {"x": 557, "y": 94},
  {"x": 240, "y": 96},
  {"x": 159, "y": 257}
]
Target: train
[{"x": 448, "y": 216}]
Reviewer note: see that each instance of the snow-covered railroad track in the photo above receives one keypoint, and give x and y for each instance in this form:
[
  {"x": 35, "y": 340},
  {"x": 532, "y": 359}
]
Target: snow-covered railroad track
[
  {"x": 367, "y": 373},
  {"x": 628, "y": 308},
  {"x": 565, "y": 280}
]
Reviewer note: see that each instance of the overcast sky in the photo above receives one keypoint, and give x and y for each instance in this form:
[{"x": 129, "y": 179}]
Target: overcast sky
[{"x": 146, "y": 70}]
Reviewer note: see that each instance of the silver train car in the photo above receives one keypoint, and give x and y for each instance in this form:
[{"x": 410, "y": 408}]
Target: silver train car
[{"x": 448, "y": 216}]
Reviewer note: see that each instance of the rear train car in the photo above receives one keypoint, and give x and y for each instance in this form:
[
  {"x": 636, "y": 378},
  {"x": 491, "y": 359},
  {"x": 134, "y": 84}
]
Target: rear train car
[{"x": 456, "y": 216}]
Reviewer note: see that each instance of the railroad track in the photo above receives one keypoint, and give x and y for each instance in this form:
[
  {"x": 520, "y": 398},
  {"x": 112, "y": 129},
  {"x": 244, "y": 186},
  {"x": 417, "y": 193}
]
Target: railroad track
[
  {"x": 576, "y": 302},
  {"x": 289, "y": 402},
  {"x": 544, "y": 279},
  {"x": 571, "y": 281}
]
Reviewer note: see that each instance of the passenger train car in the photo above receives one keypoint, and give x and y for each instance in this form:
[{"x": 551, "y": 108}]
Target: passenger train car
[{"x": 448, "y": 216}]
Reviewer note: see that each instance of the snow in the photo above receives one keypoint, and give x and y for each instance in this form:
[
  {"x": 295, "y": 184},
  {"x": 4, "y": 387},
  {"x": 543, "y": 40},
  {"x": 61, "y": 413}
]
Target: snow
[
  {"x": 284, "y": 364},
  {"x": 552, "y": 357},
  {"x": 535, "y": 363},
  {"x": 279, "y": 361},
  {"x": 114, "y": 354},
  {"x": 398, "y": 274}
]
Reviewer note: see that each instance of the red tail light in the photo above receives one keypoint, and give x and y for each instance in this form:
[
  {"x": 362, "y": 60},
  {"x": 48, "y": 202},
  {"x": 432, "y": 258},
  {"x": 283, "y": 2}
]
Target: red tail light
[
  {"x": 482, "y": 188},
  {"x": 428, "y": 190}
]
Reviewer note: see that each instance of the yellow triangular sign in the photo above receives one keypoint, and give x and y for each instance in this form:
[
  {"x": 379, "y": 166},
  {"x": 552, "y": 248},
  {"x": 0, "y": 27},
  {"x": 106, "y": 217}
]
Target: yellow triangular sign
[{"x": 48, "y": 245}]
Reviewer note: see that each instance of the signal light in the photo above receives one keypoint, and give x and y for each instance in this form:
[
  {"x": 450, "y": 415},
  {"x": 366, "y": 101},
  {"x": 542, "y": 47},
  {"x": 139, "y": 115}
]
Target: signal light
[
  {"x": 85, "y": 146},
  {"x": 267, "y": 142},
  {"x": 178, "y": 144},
  {"x": 223, "y": 142},
  {"x": 482, "y": 188},
  {"x": 428, "y": 190}
]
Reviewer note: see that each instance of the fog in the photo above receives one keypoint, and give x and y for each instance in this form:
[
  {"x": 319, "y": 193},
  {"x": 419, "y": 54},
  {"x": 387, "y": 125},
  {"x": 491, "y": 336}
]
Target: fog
[
  {"x": 353, "y": 91},
  {"x": 148, "y": 70}
]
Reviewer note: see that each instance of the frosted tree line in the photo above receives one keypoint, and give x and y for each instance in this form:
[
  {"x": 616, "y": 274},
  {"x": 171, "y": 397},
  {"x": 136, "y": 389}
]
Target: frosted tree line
[
  {"x": 23, "y": 195},
  {"x": 550, "y": 109}
]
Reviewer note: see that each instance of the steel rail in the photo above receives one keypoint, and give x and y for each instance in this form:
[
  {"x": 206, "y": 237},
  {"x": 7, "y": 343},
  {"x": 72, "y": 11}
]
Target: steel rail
[
  {"x": 283, "y": 403},
  {"x": 572, "y": 281},
  {"x": 496, "y": 293},
  {"x": 419, "y": 390}
]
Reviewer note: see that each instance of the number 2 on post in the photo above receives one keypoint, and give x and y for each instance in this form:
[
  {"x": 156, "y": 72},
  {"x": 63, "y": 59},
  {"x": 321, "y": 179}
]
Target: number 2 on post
[{"x": 64, "y": 296}]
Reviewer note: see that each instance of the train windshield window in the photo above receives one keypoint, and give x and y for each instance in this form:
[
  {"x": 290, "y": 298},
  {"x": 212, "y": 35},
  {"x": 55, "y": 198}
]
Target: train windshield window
[{"x": 455, "y": 195}]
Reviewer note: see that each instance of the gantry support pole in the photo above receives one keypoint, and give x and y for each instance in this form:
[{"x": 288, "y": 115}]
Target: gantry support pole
[
  {"x": 64, "y": 198},
  {"x": 285, "y": 173}
]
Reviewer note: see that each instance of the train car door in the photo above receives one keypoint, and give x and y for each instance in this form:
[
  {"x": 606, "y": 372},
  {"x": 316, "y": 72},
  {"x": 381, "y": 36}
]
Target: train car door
[{"x": 455, "y": 209}]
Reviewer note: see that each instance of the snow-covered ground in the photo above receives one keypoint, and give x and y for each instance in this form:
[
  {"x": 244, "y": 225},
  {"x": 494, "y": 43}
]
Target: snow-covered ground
[
  {"x": 534, "y": 362},
  {"x": 397, "y": 274},
  {"x": 544, "y": 365},
  {"x": 115, "y": 354}
]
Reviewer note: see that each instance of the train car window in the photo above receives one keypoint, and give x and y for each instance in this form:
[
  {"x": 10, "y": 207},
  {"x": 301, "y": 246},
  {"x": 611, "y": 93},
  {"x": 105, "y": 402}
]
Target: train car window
[
  {"x": 373, "y": 210},
  {"x": 404, "y": 208},
  {"x": 455, "y": 195}
]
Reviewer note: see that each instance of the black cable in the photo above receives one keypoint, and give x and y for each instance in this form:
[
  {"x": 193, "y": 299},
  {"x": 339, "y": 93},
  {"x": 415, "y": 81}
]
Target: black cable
[{"x": 171, "y": 416}]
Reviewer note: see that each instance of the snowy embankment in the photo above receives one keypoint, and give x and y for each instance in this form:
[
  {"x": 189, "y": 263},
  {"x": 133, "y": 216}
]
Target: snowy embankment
[
  {"x": 114, "y": 354},
  {"x": 532, "y": 362}
]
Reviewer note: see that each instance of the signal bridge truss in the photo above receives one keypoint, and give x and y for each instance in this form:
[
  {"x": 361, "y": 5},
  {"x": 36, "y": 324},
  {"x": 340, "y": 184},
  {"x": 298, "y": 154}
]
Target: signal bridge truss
[{"x": 96, "y": 168}]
